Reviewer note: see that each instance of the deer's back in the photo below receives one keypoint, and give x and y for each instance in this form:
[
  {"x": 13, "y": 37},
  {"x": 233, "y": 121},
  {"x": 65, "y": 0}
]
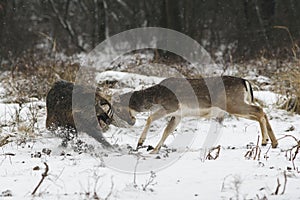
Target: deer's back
[{"x": 205, "y": 92}]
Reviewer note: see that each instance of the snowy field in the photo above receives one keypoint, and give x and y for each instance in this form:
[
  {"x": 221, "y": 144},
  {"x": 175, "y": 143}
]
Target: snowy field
[{"x": 177, "y": 172}]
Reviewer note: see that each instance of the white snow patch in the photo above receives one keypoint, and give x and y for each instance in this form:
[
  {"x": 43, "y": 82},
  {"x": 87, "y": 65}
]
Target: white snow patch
[{"x": 268, "y": 97}]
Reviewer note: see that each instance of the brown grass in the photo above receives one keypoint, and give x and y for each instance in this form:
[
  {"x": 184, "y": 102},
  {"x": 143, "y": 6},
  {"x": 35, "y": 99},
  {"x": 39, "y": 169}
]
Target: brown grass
[
  {"x": 288, "y": 84},
  {"x": 25, "y": 81}
]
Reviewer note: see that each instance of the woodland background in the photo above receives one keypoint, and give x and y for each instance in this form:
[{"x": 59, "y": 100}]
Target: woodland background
[{"x": 242, "y": 29}]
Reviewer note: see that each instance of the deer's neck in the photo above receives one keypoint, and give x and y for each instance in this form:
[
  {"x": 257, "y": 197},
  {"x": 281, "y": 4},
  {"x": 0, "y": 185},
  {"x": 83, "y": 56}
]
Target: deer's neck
[{"x": 144, "y": 100}]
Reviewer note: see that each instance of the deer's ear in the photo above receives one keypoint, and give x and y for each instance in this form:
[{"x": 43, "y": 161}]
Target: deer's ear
[{"x": 115, "y": 98}]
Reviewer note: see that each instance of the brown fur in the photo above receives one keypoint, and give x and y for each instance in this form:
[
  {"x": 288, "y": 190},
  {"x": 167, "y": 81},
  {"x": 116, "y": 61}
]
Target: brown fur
[{"x": 179, "y": 97}]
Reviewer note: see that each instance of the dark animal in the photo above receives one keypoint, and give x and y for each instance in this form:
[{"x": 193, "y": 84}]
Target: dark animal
[{"x": 60, "y": 114}]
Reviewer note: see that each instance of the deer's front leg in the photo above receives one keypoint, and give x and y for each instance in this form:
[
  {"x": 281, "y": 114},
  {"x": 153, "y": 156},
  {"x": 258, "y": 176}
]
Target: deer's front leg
[
  {"x": 168, "y": 130},
  {"x": 155, "y": 116}
]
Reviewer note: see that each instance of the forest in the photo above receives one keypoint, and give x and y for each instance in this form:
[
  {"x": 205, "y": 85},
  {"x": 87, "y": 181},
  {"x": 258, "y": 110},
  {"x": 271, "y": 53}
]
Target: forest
[{"x": 244, "y": 29}]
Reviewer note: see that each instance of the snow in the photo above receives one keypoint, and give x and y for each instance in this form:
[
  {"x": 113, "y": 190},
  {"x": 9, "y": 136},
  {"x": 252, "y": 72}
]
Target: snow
[
  {"x": 128, "y": 80},
  {"x": 269, "y": 98},
  {"x": 179, "y": 173}
]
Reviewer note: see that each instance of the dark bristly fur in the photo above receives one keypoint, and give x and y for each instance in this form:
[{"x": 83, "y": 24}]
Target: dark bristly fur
[{"x": 60, "y": 115}]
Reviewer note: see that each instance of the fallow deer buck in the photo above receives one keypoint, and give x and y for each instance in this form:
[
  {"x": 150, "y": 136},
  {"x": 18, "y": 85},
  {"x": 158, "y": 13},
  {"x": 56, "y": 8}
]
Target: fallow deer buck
[
  {"x": 60, "y": 111},
  {"x": 202, "y": 97}
]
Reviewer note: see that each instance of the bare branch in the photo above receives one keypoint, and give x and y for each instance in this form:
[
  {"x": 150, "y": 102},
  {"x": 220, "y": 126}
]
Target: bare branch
[
  {"x": 67, "y": 9},
  {"x": 66, "y": 25},
  {"x": 43, "y": 178},
  {"x": 295, "y": 148},
  {"x": 124, "y": 4},
  {"x": 277, "y": 188},
  {"x": 111, "y": 189},
  {"x": 278, "y": 185},
  {"x": 286, "y": 136},
  {"x": 135, "y": 169},
  {"x": 285, "y": 181},
  {"x": 150, "y": 181},
  {"x": 213, "y": 157},
  {"x": 255, "y": 152}
]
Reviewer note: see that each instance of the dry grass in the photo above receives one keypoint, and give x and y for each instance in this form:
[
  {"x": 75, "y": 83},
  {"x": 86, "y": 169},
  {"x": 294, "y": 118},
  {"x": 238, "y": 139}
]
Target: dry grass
[
  {"x": 32, "y": 75},
  {"x": 25, "y": 81},
  {"x": 289, "y": 77},
  {"x": 288, "y": 84}
]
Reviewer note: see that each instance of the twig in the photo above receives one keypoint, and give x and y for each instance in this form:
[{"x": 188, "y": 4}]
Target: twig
[
  {"x": 285, "y": 181},
  {"x": 111, "y": 190},
  {"x": 292, "y": 156},
  {"x": 8, "y": 154},
  {"x": 296, "y": 151},
  {"x": 223, "y": 184},
  {"x": 266, "y": 154},
  {"x": 255, "y": 150},
  {"x": 4, "y": 141},
  {"x": 149, "y": 181},
  {"x": 277, "y": 188},
  {"x": 278, "y": 185},
  {"x": 285, "y": 136},
  {"x": 43, "y": 178},
  {"x": 210, "y": 156},
  {"x": 135, "y": 169}
]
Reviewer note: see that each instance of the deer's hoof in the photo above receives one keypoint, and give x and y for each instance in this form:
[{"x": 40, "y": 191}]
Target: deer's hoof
[
  {"x": 154, "y": 151},
  {"x": 139, "y": 145},
  {"x": 274, "y": 145}
]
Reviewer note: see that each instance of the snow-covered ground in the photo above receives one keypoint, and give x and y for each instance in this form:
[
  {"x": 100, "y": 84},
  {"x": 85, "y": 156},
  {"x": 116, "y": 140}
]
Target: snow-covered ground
[{"x": 178, "y": 172}]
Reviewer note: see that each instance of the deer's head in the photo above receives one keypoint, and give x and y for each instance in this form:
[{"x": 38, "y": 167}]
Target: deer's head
[{"x": 122, "y": 110}]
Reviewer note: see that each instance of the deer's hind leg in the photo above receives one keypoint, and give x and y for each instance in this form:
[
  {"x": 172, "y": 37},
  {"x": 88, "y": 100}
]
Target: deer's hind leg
[
  {"x": 265, "y": 126},
  {"x": 271, "y": 133},
  {"x": 256, "y": 113}
]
